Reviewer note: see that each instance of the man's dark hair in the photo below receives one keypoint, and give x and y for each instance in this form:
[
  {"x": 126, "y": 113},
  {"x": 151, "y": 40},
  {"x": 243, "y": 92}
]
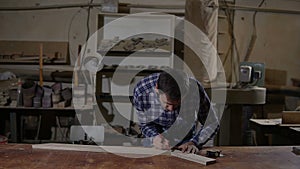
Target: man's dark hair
[{"x": 173, "y": 83}]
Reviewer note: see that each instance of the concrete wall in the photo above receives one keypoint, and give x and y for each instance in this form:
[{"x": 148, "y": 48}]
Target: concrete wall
[
  {"x": 277, "y": 43},
  {"x": 69, "y": 25},
  {"x": 278, "y": 36}
]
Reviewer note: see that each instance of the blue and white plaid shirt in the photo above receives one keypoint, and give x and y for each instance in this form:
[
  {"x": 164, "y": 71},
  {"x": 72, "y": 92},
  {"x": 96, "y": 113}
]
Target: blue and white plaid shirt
[{"x": 180, "y": 125}]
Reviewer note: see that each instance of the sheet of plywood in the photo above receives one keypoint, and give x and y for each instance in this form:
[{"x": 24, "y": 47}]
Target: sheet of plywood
[{"x": 129, "y": 151}]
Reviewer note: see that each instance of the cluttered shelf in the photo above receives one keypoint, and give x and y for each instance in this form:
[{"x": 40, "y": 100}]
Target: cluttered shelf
[
  {"x": 46, "y": 119},
  {"x": 16, "y": 117},
  {"x": 134, "y": 53},
  {"x": 69, "y": 108},
  {"x": 109, "y": 71},
  {"x": 36, "y": 108}
]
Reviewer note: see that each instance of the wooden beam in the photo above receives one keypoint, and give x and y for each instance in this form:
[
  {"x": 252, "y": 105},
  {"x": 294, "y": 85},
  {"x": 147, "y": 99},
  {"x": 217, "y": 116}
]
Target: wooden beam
[
  {"x": 193, "y": 157},
  {"x": 136, "y": 152}
]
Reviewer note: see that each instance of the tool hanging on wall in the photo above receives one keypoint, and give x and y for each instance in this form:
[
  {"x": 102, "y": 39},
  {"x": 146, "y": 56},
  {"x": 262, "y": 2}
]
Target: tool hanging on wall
[
  {"x": 78, "y": 65},
  {"x": 41, "y": 64}
]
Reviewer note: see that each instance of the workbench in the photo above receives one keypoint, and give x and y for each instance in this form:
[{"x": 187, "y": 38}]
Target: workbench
[
  {"x": 24, "y": 156},
  {"x": 270, "y": 127}
]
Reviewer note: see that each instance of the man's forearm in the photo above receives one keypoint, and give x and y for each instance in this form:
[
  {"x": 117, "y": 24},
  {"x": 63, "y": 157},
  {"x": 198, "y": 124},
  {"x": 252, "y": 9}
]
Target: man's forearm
[
  {"x": 205, "y": 134},
  {"x": 148, "y": 130}
]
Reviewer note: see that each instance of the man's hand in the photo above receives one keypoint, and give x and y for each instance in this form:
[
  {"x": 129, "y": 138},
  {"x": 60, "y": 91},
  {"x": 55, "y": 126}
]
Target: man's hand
[
  {"x": 160, "y": 142},
  {"x": 188, "y": 147}
]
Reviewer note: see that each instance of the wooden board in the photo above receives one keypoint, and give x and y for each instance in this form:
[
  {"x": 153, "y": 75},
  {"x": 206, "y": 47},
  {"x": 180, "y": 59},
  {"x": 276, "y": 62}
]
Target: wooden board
[
  {"x": 290, "y": 125},
  {"x": 273, "y": 122},
  {"x": 135, "y": 152},
  {"x": 295, "y": 128},
  {"x": 27, "y": 52},
  {"x": 101, "y": 149},
  {"x": 267, "y": 122},
  {"x": 193, "y": 157},
  {"x": 291, "y": 117},
  {"x": 279, "y": 79}
]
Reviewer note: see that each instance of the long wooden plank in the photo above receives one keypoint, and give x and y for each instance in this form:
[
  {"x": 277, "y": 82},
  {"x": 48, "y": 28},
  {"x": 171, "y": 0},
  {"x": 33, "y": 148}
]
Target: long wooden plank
[
  {"x": 137, "y": 152},
  {"x": 102, "y": 149},
  {"x": 193, "y": 157}
]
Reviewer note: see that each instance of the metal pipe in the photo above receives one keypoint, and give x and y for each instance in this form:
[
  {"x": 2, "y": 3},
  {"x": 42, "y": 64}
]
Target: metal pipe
[
  {"x": 156, "y": 6},
  {"x": 49, "y": 7},
  {"x": 230, "y": 7},
  {"x": 249, "y": 8}
]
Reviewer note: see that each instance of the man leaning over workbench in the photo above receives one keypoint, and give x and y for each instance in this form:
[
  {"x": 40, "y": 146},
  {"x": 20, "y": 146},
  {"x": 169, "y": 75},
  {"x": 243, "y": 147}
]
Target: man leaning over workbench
[{"x": 173, "y": 111}]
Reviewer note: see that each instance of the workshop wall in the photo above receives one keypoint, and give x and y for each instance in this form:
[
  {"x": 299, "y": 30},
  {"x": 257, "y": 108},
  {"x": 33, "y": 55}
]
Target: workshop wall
[
  {"x": 56, "y": 24},
  {"x": 277, "y": 43},
  {"x": 278, "y": 37},
  {"x": 48, "y": 25}
]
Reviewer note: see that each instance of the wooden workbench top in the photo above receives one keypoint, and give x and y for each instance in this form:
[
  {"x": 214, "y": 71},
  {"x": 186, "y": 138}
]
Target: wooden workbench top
[{"x": 23, "y": 156}]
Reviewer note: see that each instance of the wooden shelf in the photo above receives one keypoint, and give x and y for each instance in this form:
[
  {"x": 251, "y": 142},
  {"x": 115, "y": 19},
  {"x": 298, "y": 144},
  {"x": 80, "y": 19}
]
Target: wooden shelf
[
  {"x": 135, "y": 53},
  {"x": 106, "y": 97}
]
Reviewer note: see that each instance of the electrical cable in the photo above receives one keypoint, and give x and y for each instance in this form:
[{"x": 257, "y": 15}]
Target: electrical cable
[
  {"x": 38, "y": 127},
  {"x": 250, "y": 8},
  {"x": 69, "y": 29},
  {"x": 254, "y": 34},
  {"x": 235, "y": 61},
  {"x": 49, "y": 7},
  {"x": 87, "y": 37},
  {"x": 244, "y": 85},
  {"x": 90, "y": 5},
  {"x": 88, "y": 21},
  {"x": 88, "y": 30}
]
